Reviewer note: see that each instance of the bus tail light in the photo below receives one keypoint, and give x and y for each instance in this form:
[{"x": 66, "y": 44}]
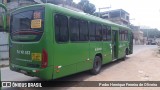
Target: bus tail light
[{"x": 44, "y": 59}]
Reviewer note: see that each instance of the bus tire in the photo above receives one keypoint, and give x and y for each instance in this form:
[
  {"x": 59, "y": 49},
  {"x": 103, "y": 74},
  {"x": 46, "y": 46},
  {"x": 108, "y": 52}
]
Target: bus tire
[
  {"x": 124, "y": 57},
  {"x": 97, "y": 64},
  {"x": 127, "y": 51}
]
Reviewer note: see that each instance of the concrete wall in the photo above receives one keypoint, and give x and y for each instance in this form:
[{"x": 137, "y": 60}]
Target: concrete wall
[
  {"x": 4, "y": 49},
  {"x": 138, "y": 37}
]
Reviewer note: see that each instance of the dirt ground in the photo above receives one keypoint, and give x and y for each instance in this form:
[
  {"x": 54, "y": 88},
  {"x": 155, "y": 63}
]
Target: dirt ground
[{"x": 143, "y": 66}]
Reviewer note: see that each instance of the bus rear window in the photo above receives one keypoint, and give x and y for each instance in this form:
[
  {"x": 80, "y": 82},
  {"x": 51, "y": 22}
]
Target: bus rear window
[{"x": 28, "y": 25}]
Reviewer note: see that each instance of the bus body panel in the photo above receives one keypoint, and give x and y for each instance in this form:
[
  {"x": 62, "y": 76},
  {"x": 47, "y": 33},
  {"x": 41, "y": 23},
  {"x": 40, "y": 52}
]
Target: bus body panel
[
  {"x": 45, "y": 73},
  {"x": 26, "y": 57},
  {"x": 95, "y": 49},
  {"x": 107, "y": 52},
  {"x": 72, "y": 62},
  {"x": 115, "y": 44},
  {"x": 123, "y": 45},
  {"x": 63, "y": 58}
]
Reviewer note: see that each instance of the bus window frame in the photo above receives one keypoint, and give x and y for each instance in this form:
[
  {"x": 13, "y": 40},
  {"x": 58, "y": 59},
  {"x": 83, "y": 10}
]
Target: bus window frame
[
  {"x": 54, "y": 31},
  {"x": 29, "y": 9}
]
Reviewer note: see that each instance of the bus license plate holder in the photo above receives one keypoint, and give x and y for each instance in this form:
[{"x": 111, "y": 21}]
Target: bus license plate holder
[{"x": 24, "y": 72}]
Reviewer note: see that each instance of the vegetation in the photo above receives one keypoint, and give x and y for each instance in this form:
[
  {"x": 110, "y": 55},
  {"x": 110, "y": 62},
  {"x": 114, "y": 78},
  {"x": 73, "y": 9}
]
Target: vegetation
[
  {"x": 151, "y": 33},
  {"x": 84, "y": 5},
  {"x": 87, "y": 6},
  {"x": 56, "y": 2}
]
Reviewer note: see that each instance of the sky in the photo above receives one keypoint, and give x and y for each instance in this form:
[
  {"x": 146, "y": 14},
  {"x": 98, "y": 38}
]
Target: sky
[{"x": 142, "y": 12}]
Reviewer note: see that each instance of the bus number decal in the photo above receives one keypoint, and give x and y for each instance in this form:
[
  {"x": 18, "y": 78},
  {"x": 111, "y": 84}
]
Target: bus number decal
[
  {"x": 36, "y": 23},
  {"x": 23, "y": 52},
  {"x": 98, "y": 49},
  {"x": 37, "y": 15}
]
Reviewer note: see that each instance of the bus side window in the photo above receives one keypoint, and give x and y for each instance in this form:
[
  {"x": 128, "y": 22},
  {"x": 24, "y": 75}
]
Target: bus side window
[
  {"x": 108, "y": 33},
  {"x": 8, "y": 22},
  {"x": 61, "y": 28},
  {"x": 83, "y": 30},
  {"x": 121, "y": 35},
  {"x": 74, "y": 29},
  {"x": 92, "y": 31},
  {"x": 126, "y": 35},
  {"x": 98, "y": 32},
  {"x": 1, "y": 22},
  {"x": 104, "y": 34}
]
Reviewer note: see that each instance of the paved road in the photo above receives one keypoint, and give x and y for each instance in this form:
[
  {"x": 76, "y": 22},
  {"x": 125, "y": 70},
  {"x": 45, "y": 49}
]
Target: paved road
[{"x": 8, "y": 75}]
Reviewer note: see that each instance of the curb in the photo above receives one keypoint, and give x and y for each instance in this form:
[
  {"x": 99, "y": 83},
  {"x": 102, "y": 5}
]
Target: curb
[
  {"x": 3, "y": 65},
  {"x": 4, "y": 59}
]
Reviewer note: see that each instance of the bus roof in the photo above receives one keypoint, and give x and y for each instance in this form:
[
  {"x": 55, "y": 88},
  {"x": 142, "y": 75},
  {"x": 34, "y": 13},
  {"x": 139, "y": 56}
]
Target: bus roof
[
  {"x": 81, "y": 15},
  {"x": 3, "y": 6}
]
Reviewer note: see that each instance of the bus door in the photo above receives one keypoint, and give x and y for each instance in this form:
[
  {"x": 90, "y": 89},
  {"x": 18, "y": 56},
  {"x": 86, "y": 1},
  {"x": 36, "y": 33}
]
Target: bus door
[{"x": 114, "y": 44}]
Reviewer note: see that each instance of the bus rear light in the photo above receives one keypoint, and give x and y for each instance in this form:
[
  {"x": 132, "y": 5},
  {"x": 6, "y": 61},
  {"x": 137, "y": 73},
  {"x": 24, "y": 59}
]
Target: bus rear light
[
  {"x": 35, "y": 71},
  {"x": 44, "y": 59},
  {"x": 58, "y": 67}
]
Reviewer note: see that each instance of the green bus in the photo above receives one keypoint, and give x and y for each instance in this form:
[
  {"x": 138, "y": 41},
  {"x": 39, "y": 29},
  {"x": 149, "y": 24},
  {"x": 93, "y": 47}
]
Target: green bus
[
  {"x": 3, "y": 18},
  {"x": 49, "y": 41}
]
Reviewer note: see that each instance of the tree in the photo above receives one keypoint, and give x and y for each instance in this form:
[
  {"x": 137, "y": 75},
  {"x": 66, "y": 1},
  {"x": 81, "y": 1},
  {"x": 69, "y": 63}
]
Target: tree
[
  {"x": 69, "y": 2},
  {"x": 56, "y": 2},
  {"x": 87, "y": 7},
  {"x": 151, "y": 33}
]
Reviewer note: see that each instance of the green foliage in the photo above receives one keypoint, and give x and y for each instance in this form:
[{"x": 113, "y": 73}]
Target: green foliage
[
  {"x": 151, "y": 33},
  {"x": 69, "y": 2},
  {"x": 87, "y": 6},
  {"x": 56, "y": 2},
  {"x": 96, "y": 14}
]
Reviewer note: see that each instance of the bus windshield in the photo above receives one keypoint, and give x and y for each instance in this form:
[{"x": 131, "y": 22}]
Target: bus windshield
[{"x": 28, "y": 25}]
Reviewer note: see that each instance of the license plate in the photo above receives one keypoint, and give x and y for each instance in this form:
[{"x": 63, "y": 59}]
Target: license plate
[
  {"x": 36, "y": 56},
  {"x": 22, "y": 71}
]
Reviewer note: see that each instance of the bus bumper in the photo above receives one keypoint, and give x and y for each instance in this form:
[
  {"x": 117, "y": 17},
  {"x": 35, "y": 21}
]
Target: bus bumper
[{"x": 45, "y": 73}]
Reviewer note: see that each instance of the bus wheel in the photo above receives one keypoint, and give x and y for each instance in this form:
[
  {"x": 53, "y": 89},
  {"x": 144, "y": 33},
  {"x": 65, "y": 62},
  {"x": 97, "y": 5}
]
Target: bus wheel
[
  {"x": 124, "y": 58},
  {"x": 96, "y": 65},
  {"x": 127, "y": 51}
]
